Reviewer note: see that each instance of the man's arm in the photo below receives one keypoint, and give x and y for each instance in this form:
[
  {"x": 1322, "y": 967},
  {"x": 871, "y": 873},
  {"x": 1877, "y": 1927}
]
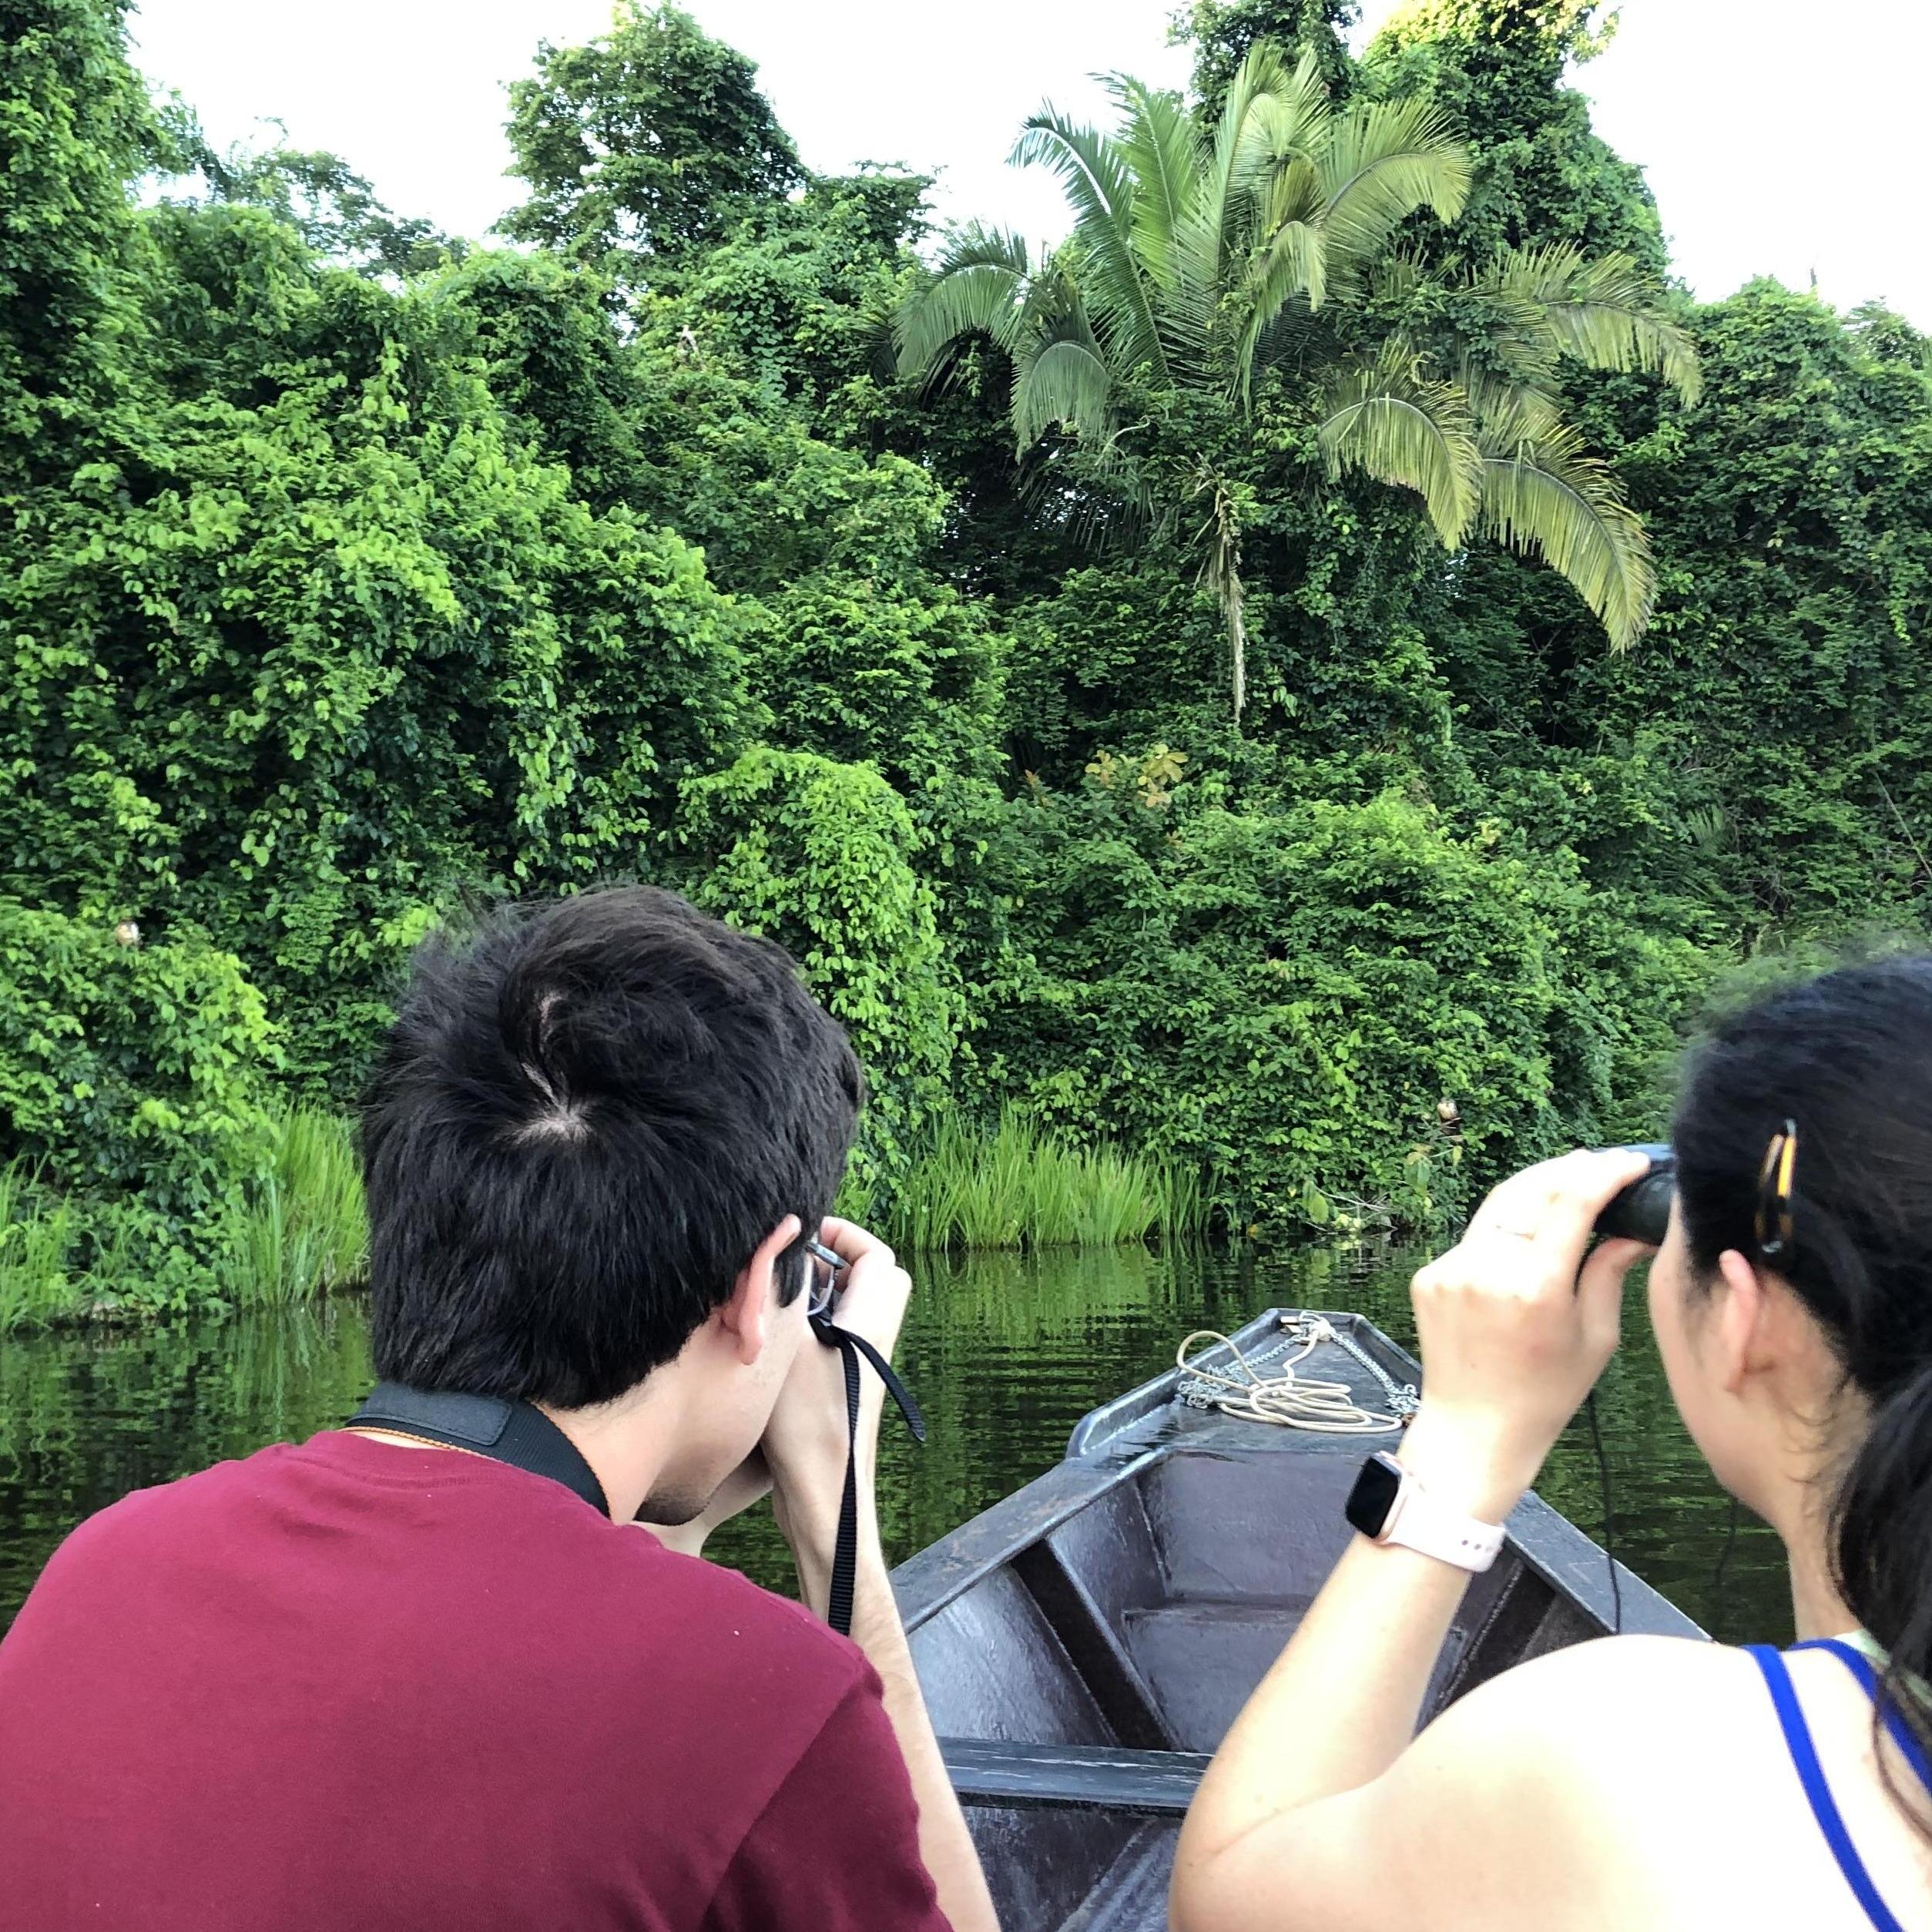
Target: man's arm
[{"x": 806, "y": 1448}]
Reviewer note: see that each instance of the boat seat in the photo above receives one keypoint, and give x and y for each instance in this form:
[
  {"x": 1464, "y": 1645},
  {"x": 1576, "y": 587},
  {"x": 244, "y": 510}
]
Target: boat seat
[{"x": 1202, "y": 1657}]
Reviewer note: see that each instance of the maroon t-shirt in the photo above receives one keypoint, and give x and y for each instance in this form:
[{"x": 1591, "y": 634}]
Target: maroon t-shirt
[{"x": 347, "y": 1686}]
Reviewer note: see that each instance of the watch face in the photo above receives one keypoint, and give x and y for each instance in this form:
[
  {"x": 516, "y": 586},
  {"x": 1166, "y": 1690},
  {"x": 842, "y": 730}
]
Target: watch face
[{"x": 1373, "y": 1495}]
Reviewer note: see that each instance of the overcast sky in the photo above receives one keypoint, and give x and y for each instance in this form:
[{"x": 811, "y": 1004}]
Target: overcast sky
[{"x": 1780, "y": 138}]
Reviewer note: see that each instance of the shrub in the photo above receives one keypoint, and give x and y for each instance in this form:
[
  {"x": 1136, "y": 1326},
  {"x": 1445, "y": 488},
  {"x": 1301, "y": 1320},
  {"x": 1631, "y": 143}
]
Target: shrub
[
  {"x": 818, "y": 856},
  {"x": 138, "y": 1071},
  {"x": 1289, "y": 1000}
]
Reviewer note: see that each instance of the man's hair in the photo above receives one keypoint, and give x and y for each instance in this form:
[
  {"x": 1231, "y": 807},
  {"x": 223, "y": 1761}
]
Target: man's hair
[{"x": 585, "y": 1120}]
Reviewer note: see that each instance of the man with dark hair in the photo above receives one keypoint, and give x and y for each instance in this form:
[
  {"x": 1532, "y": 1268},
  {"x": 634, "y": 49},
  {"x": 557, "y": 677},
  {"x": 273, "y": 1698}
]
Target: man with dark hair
[{"x": 402, "y": 1676}]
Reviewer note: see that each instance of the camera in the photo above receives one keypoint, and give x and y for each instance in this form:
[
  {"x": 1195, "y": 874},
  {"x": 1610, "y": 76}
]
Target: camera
[{"x": 1641, "y": 1211}]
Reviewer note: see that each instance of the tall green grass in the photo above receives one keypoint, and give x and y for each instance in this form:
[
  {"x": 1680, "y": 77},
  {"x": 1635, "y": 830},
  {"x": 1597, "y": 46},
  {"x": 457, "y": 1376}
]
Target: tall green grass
[
  {"x": 294, "y": 1233},
  {"x": 1021, "y": 1186},
  {"x": 38, "y": 1284},
  {"x": 301, "y": 1228}
]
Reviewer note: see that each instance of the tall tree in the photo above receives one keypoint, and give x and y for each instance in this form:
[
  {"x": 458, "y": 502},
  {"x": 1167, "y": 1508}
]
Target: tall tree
[
  {"x": 1223, "y": 31},
  {"x": 335, "y": 210},
  {"x": 648, "y": 142},
  {"x": 1542, "y": 174},
  {"x": 1203, "y": 257},
  {"x": 75, "y": 127}
]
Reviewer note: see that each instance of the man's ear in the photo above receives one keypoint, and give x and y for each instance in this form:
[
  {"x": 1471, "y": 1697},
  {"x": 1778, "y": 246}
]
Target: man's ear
[
  {"x": 1740, "y": 1330},
  {"x": 746, "y": 1315}
]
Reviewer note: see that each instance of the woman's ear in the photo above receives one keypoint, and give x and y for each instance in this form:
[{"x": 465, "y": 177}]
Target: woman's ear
[
  {"x": 1736, "y": 1333},
  {"x": 747, "y": 1316}
]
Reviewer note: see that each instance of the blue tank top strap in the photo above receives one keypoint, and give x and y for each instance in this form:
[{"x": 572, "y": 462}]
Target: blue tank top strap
[
  {"x": 1811, "y": 1774},
  {"x": 1892, "y": 1717}
]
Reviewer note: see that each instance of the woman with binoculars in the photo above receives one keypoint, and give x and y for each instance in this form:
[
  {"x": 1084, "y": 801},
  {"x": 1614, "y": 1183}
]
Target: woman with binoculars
[{"x": 1644, "y": 1782}]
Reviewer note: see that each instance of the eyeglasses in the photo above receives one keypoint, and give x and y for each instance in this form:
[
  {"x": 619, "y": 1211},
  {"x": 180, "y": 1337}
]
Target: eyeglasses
[
  {"x": 1775, "y": 1238},
  {"x": 826, "y": 1277}
]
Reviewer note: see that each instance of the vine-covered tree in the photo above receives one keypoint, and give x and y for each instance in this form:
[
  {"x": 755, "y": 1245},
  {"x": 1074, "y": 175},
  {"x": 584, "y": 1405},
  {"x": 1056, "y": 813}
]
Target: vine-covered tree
[
  {"x": 648, "y": 142},
  {"x": 334, "y": 210}
]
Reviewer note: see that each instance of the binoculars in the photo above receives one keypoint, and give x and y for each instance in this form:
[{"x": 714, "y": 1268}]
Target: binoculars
[{"x": 1641, "y": 1211}]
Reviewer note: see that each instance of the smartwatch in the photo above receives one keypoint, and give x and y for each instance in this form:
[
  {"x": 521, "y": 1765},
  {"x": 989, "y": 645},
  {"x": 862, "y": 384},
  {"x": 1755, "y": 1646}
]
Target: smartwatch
[{"x": 1389, "y": 1505}]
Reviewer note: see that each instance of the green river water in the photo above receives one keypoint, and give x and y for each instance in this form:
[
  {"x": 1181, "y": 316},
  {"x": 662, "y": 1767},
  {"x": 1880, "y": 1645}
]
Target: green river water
[{"x": 1005, "y": 1352}]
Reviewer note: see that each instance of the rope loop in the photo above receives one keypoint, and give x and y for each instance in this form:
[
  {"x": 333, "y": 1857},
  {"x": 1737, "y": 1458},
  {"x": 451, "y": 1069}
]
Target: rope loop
[{"x": 1289, "y": 1399}]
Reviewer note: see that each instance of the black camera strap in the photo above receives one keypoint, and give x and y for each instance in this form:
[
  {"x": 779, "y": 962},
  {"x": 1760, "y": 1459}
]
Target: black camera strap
[
  {"x": 521, "y": 1435},
  {"x": 517, "y": 1432},
  {"x": 845, "y": 1550}
]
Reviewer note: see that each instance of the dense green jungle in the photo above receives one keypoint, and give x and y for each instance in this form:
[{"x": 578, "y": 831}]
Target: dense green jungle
[{"x": 1289, "y": 703}]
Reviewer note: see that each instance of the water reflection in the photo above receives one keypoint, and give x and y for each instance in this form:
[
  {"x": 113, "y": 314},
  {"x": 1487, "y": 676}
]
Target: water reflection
[{"x": 1006, "y": 1353}]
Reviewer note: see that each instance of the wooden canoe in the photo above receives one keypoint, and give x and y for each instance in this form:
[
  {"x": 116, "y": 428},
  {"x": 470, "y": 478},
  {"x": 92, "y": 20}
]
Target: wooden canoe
[{"x": 1085, "y": 1643}]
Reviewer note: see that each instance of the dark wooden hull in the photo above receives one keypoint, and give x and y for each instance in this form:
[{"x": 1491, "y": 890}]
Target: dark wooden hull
[{"x": 1085, "y": 1643}]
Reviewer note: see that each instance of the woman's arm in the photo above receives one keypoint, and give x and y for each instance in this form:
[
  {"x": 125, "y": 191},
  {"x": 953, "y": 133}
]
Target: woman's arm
[{"x": 1512, "y": 1341}]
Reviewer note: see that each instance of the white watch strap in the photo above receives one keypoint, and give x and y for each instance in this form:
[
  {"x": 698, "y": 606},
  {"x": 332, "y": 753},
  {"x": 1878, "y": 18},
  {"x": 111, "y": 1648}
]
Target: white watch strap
[{"x": 1417, "y": 1521}]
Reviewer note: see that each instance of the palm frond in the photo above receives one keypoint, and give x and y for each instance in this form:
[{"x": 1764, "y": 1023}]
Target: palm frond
[
  {"x": 1062, "y": 378},
  {"x": 1604, "y": 312},
  {"x": 1292, "y": 264},
  {"x": 1160, "y": 143},
  {"x": 1094, "y": 177},
  {"x": 1551, "y": 498},
  {"x": 1221, "y": 223},
  {"x": 1285, "y": 119},
  {"x": 1383, "y": 162},
  {"x": 983, "y": 284},
  {"x": 1506, "y": 414},
  {"x": 974, "y": 244},
  {"x": 1166, "y": 153},
  {"x": 1389, "y": 420}
]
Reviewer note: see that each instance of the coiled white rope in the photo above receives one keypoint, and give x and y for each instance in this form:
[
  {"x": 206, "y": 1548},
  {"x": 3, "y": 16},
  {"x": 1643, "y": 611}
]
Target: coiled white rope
[{"x": 1287, "y": 1398}]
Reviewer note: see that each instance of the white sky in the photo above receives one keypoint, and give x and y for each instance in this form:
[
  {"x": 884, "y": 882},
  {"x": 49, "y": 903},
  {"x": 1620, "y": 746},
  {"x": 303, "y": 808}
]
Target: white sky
[{"x": 1779, "y": 140}]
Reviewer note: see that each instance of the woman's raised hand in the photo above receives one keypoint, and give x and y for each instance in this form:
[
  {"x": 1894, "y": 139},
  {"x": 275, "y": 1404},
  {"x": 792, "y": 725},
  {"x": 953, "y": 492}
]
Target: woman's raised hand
[{"x": 1514, "y": 1328}]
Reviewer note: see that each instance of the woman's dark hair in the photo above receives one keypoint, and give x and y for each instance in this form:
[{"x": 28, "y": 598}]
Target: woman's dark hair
[
  {"x": 1847, "y": 1058},
  {"x": 585, "y": 1118}
]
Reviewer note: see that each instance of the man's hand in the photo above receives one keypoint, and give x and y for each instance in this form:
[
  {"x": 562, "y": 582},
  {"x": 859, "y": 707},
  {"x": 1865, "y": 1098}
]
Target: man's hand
[
  {"x": 805, "y": 1443},
  {"x": 749, "y": 1483}
]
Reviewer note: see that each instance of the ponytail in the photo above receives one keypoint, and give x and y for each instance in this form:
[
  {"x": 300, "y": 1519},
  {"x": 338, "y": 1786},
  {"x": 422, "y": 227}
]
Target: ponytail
[{"x": 1882, "y": 1543}]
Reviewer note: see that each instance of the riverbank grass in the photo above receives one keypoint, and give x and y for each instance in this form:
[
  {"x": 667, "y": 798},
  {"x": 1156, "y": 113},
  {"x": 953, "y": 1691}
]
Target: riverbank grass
[
  {"x": 1022, "y": 1186},
  {"x": 36, "y": 1239},
  {"x": 300, "y": 1229},
  {"x": 296, "y": 1233}
]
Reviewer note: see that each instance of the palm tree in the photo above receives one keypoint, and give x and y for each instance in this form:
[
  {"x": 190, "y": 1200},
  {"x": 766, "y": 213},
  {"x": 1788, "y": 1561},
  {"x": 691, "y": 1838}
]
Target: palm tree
[{"x": 1201, "y": 257}]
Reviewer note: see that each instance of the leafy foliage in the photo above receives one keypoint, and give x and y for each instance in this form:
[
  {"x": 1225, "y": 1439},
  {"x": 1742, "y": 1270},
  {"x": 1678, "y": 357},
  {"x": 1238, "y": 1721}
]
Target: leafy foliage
[
  {"x": 1288, "y": 999},
  {"x": 819, "y": 856},
  {"x": 646, "y": 142},
  {"x": 73, "y": 128},
  {"x": 129, "y": 1067},
  {"x": 345, "y": 574},
  {"x": 298, "y": 668}
]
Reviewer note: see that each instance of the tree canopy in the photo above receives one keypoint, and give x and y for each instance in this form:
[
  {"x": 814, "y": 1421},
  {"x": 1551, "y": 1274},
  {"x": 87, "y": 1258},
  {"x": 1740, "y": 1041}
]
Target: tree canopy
[{"x": 648, "y": 142}]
